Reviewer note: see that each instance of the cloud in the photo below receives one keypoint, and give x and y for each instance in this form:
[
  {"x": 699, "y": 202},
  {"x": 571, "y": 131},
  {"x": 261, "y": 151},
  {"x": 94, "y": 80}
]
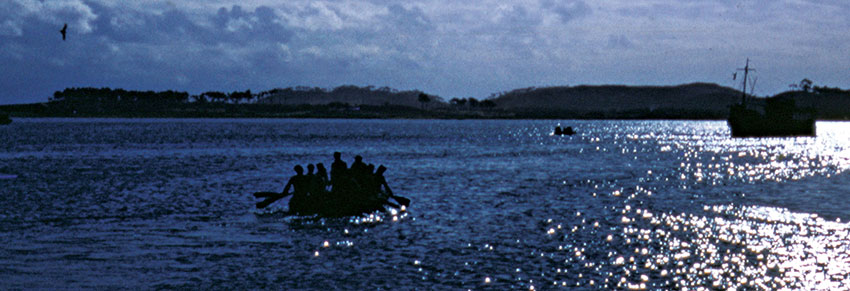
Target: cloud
[
  {"x": 519, "y": 20},
  {"x": 411, "y": 20},
  {"x": 10, "y": 20},
  {"x": 445, "y": 47},
  {"x": 122, "y": 26},
  {"x": 261, "y": 25},
  {"x": 568, "y": 10},
  {"x": 146, "y": 49},
  {"x": 15, "y": 13},
  {"x": 234, "y": 25},
  {"x": 619, "y": 42},
  {"x": 330, "y": 15}
]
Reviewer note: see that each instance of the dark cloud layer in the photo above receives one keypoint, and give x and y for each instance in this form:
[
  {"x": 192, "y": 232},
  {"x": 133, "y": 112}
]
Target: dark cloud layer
[{"x": 139, "y": 49}]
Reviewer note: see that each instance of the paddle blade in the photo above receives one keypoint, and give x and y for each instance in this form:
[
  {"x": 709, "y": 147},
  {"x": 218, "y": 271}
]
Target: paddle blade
[
  {"x": 265, "y": 194},
  {"x": 264, "y": 203},
  {"x": 270, "y": 200}
]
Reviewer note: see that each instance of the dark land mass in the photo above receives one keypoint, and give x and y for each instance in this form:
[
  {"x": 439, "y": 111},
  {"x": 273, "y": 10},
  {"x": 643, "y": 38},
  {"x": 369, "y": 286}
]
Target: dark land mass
[{"x": 690, "y": 101}]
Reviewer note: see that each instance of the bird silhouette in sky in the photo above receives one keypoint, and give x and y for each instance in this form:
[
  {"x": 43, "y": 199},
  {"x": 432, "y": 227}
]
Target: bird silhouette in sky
[{"x": 64, "y": 30}]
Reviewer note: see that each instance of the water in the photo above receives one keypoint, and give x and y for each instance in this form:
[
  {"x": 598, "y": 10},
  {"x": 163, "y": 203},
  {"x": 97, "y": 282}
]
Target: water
[{"x": 166, "y": 203}]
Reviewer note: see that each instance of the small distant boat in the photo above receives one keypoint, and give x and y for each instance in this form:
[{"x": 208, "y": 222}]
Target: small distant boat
[
  {"x": 4, "y": 118},
  {"x": 567, "y": 131},
  {"x": 777, "y": 116}
]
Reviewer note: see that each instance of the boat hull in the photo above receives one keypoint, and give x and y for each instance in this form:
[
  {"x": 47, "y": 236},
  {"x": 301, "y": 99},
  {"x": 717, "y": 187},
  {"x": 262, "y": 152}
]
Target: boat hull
[
  {"x": 745, "y": 122},
  {"x": 337, "y": 206}
]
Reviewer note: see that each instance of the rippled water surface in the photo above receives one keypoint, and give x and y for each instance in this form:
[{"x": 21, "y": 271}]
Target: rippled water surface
[{"x": 161, "y": 203}]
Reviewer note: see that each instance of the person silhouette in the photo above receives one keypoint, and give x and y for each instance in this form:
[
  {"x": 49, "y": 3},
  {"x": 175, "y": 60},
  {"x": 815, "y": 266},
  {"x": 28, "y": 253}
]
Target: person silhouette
[
  {"x": 299, "y": 201},
  {"x": 298, "y": 184},
  {"x": 311, "y": 178},
  {"x": 310, "y": 169},
  {"x": 358, "y": 172},
  {"x": 368, "y": 182},
  {"x": 315, "y": 189},
  {"x": 322, "y": 173},
  {"x": 64, "y": 31},
  {"x": 384, "y": 189},
  {"x": 381, "y": 181},
  {"x": 358, "y": 167},
  {"x": 338, "y": 171}
]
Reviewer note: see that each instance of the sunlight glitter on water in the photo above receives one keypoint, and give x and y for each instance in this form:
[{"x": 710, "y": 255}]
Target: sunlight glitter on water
[
  {"x": 776, "y": 159},
  {"x": 499, "y": 205},
  {"x": 727, "y": 246},
  {"x": 731, "y": 247}
]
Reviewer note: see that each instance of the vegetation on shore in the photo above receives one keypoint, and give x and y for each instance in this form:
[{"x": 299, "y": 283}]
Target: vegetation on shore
[
  {"x": 298, "y": 102},
  {"x": 690, "y": 101}
]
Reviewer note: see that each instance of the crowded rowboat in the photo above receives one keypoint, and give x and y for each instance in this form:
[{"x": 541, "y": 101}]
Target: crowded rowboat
[{"x": 353, "y": 191}]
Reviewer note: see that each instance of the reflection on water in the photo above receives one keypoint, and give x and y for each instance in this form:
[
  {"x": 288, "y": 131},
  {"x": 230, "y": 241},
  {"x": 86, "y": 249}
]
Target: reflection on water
[
  {"x": 496, "y": 205},
  {"x": 731, "y": 247}
]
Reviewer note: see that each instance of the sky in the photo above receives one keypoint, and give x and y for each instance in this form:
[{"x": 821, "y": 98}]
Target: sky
[{"x": 448, "y": 48}]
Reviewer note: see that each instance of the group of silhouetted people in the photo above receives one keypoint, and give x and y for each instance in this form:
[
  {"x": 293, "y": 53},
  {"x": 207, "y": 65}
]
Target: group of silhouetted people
[{"x": 360, "y": 188}]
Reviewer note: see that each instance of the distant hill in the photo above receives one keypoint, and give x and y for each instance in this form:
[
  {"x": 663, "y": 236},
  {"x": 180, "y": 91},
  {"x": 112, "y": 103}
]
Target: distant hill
[
  {"x": 706, "y": 100},
  {"x": 828, "y": 103},
  {"x": 689, "y": 101}
]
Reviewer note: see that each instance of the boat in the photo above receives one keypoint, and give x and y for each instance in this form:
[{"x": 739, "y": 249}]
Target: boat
[
  {"x": 4, "y": 118},
  {"x": 341, "y": 207},
  {"x": 346, "y": 200},
  {"x": 567, "y": 131},
  {"x": 770, "y": 117},
  {"x": 358, "y": 190},
  {"x": 336, "y": 205}
]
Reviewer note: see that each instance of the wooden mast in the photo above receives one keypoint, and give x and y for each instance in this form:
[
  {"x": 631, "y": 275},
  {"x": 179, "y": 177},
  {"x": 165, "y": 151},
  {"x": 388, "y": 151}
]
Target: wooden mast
[{"x": 746, "y": 70}]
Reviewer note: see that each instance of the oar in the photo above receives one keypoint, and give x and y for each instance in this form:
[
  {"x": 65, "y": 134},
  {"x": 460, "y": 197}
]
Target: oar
[
  {"x": 393, "y": 205},
  {"x": 401, "y": 200},
  {"x": 265, "y": 194},
  {"x": 270, "y": 200}
]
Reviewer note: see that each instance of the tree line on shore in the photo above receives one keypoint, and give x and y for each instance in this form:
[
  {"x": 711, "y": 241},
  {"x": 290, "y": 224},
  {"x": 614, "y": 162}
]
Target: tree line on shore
[
  {"x": 689, "y": 101},
  {"x": 108, "y": 95},
  {"x": 342, "y": 95},
  {"x": 295, "y": 102}
]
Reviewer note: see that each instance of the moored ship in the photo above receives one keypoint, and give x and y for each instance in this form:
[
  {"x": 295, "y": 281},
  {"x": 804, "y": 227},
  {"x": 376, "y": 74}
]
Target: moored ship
[
  {"x": 777, "y": 116},
  {"x": 4, "y": 118}
]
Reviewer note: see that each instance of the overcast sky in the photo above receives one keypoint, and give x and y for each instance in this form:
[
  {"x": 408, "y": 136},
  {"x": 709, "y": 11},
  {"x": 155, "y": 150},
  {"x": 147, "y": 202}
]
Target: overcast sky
[{"x": 444, "y": 47}]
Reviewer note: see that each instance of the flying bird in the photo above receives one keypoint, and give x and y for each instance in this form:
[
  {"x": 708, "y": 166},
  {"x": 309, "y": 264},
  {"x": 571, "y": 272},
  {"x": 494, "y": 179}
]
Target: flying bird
[{"x": 64, "y": 30}]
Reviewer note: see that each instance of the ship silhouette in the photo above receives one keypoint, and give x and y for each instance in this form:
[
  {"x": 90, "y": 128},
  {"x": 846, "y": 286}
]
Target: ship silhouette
[{"x": 771, "y": 117}]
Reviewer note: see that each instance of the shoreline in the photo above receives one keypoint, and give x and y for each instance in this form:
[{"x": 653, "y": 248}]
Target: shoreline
[
  {"x": 696, "y": 101},
  {"x": 305, "y": 111}
]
